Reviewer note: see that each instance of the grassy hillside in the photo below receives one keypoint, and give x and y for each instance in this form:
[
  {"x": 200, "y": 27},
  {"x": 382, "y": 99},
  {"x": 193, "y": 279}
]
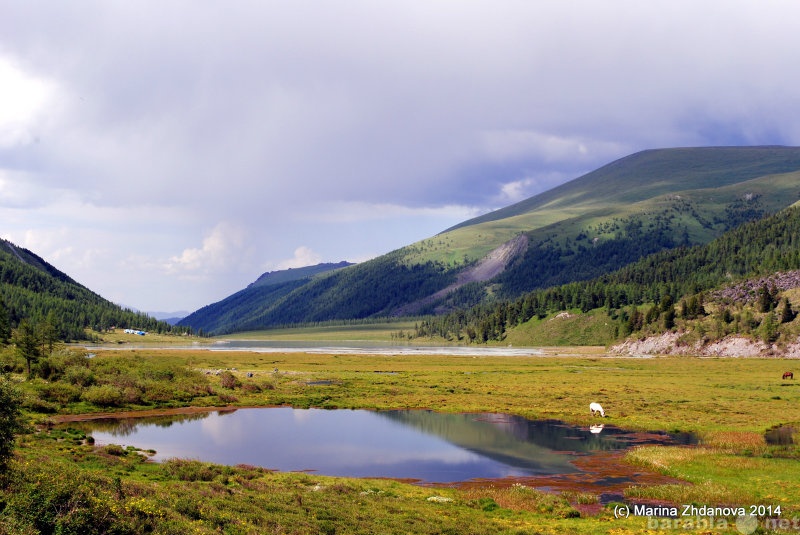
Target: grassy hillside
[
  {"x": 636, "y": 206},
  {"x": 649, "y": 295},
  {"x": 33, "y": 289},
  {"x": 619, "y": 189}
]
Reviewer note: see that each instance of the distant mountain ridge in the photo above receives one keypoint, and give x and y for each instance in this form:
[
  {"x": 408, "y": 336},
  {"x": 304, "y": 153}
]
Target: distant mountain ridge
[
  {"x": 292, "y": 274},
  {"x": 244, "y": 309},
  {"x": 638, "y": 205}
]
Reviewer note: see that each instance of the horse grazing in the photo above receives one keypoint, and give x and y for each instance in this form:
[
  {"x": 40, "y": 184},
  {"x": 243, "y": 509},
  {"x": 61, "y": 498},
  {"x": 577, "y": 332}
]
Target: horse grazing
[
  {"x": 788, "y": 375},
  {"x": 595, "y": 408}
]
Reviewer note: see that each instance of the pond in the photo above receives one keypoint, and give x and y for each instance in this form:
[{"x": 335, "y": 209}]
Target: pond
[{"x": 420, "y": 445}]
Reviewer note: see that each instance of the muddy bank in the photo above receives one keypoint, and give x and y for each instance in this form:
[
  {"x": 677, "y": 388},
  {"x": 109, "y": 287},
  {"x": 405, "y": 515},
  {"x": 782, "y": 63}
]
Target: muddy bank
[
  {"x": 67, "y": 418},
  {"x": 605, "y": 474}
]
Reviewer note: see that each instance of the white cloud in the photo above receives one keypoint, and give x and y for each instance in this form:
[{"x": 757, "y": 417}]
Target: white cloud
[
  {"x": 365, "y": 212},
  {"x": 303, "y": 256},
  {"x": 23, "y": 99},
  {"x": 222, "y": 248}
]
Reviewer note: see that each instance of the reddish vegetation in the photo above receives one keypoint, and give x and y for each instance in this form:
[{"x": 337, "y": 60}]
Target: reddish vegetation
[{"x": 601, "y": 473}]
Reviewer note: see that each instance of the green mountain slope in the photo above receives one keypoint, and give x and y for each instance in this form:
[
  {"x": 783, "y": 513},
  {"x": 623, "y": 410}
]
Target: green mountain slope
[
  {"x": 31, "y": 288},
  {"x": 660, "y": 281},
  {"x": 639, "y": 205},
  {"x": 250, "y": 308}
]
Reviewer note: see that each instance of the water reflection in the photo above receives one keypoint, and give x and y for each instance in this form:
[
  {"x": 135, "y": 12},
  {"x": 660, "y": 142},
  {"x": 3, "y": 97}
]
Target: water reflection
[{"x": 411, "y": 444}]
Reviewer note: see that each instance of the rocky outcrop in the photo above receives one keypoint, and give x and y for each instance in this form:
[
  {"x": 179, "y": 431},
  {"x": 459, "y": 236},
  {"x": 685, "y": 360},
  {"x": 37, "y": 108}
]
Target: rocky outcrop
[
  {"x": 672, "y": 343},
  {"x": 747, "y": 291}
]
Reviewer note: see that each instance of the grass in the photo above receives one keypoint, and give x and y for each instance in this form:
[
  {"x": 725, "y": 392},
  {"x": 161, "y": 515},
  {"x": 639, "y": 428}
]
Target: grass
[
  {"x": 574, "y": 208},
  {"x": 377, "y": 332},
  {"x": 118, "y": 336},
  {"x": 730, "y": 403},
  {"x": 676, "y": 393},
  {"x": 570, "y": 328}
]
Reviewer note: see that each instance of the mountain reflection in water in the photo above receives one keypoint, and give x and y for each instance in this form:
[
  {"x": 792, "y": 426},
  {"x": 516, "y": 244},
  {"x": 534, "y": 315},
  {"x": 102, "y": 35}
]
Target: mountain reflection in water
[{"x": 408, "y": 444}]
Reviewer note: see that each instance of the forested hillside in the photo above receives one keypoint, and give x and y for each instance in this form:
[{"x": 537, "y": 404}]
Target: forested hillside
[
  {"x": 353, "y": 292},
  {"x": 32, "y": 289},
  {"x": 642, "y": 204},
  {"x": 663, "y": 280}
]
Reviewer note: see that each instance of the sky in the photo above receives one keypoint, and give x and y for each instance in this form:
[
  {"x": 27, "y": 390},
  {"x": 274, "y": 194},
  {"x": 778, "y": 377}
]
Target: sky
[{"x": 166, "y": 154}]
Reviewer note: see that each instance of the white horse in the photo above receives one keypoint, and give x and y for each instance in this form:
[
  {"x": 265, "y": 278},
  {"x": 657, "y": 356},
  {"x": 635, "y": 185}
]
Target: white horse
[{"x": 595, "y": 408}]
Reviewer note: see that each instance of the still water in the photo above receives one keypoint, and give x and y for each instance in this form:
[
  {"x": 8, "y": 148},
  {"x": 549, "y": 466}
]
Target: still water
[
  {"x": 359, "y": 347},
  {"x": 411, "y": 444}
]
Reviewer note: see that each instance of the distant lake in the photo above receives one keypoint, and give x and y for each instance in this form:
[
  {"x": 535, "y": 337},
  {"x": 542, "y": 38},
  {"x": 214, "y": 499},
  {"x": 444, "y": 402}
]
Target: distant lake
[
  {"x": 406, "y": 444},
  {"x": 342, "y": 348}
]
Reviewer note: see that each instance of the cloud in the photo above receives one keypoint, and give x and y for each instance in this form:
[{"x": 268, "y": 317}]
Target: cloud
[
  {"x": 303, "y": 256},
  {"x": 22, "y": 101},
  {"x": 222, "y": 249},
  {"x": 367, "y": 126}
]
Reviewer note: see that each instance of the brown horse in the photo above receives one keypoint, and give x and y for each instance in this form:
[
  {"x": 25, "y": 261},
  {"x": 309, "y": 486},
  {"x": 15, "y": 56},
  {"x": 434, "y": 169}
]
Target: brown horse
[{"x": 788, "y": 375}]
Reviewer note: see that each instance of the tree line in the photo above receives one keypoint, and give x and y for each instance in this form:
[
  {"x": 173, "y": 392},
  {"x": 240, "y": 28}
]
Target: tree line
[{"x": 667, "y": 278}]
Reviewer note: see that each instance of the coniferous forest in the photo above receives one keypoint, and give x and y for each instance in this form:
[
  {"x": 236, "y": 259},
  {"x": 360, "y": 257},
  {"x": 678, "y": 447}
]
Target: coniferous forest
[
  {"x": 670, "y": 279},
  {"x": 33, "y": 290}
]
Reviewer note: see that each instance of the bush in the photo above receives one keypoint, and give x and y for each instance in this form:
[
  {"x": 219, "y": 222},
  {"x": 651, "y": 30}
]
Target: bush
[
  {"x": 57, "y": 499},
  {"x": 79, "y": 375},
  {"x": 228, "y": 380},
  {"x": 114, "y": 449},
  {"x": 62, "y": 393},
  {"x": 36, "y": 404},
  {"x": 251, "y": 388},
  {"x": 104, "y": 396},
  {"x": 187, "y": 470},
  {"x": 11, "y": 421}
]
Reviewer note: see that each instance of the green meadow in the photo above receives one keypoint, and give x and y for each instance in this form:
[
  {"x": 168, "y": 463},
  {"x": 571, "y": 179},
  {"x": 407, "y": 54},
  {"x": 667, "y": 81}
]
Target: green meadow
[{"x": 62, "y": 483}]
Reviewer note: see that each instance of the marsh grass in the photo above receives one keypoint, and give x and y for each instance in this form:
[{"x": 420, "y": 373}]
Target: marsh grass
[
  {"x": 730, "y": 403},
  {"x": 365, "y": 332},
  {"x": 728, "y": 476}
]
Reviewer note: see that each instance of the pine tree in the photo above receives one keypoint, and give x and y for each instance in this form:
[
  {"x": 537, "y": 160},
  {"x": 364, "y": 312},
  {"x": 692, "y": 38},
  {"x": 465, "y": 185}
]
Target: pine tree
[
  {"x": 5, "y": 326},
  {"x": 787, "y": 314},
  {"x": 27, "y": 343}
]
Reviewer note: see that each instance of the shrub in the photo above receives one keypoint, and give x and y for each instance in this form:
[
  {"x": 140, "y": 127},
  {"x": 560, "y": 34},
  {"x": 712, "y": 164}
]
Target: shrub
[
  {"x": 228, "y": 380},
  {"x": 104, "y": 396},
  {"x": 36, "y": 404},
  {"x": 57, "y": 499},
  {"x": 227, "y": 398},
  {"x": 114, "y": 449},
  {"x": 79, "y": 375},
  {"x": 251, "y": 388},
  {"x": 62, "y": 393},
  {"x": 10, "y": 420},
  {"x": 187, "y": 470}
]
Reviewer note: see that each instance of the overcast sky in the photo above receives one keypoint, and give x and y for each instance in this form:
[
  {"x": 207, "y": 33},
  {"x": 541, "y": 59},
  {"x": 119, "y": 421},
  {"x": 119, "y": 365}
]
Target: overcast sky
[{"x": 165, "y": 154}]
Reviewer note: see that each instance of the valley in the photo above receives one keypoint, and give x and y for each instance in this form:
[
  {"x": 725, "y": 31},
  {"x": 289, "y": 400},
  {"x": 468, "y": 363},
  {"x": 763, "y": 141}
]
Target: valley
[{"x": 663, "y": 286}]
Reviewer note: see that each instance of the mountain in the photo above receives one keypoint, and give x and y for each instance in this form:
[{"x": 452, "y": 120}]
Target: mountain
[
  {"x": 729, "y": 286},
  {"x": 173, "y": 318},
  {"x": 244, "y": 309},
  {"x": 641, "y": 204},
  {"x": 33, "y": 289},
  {"x": 292, "y": 274}
]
